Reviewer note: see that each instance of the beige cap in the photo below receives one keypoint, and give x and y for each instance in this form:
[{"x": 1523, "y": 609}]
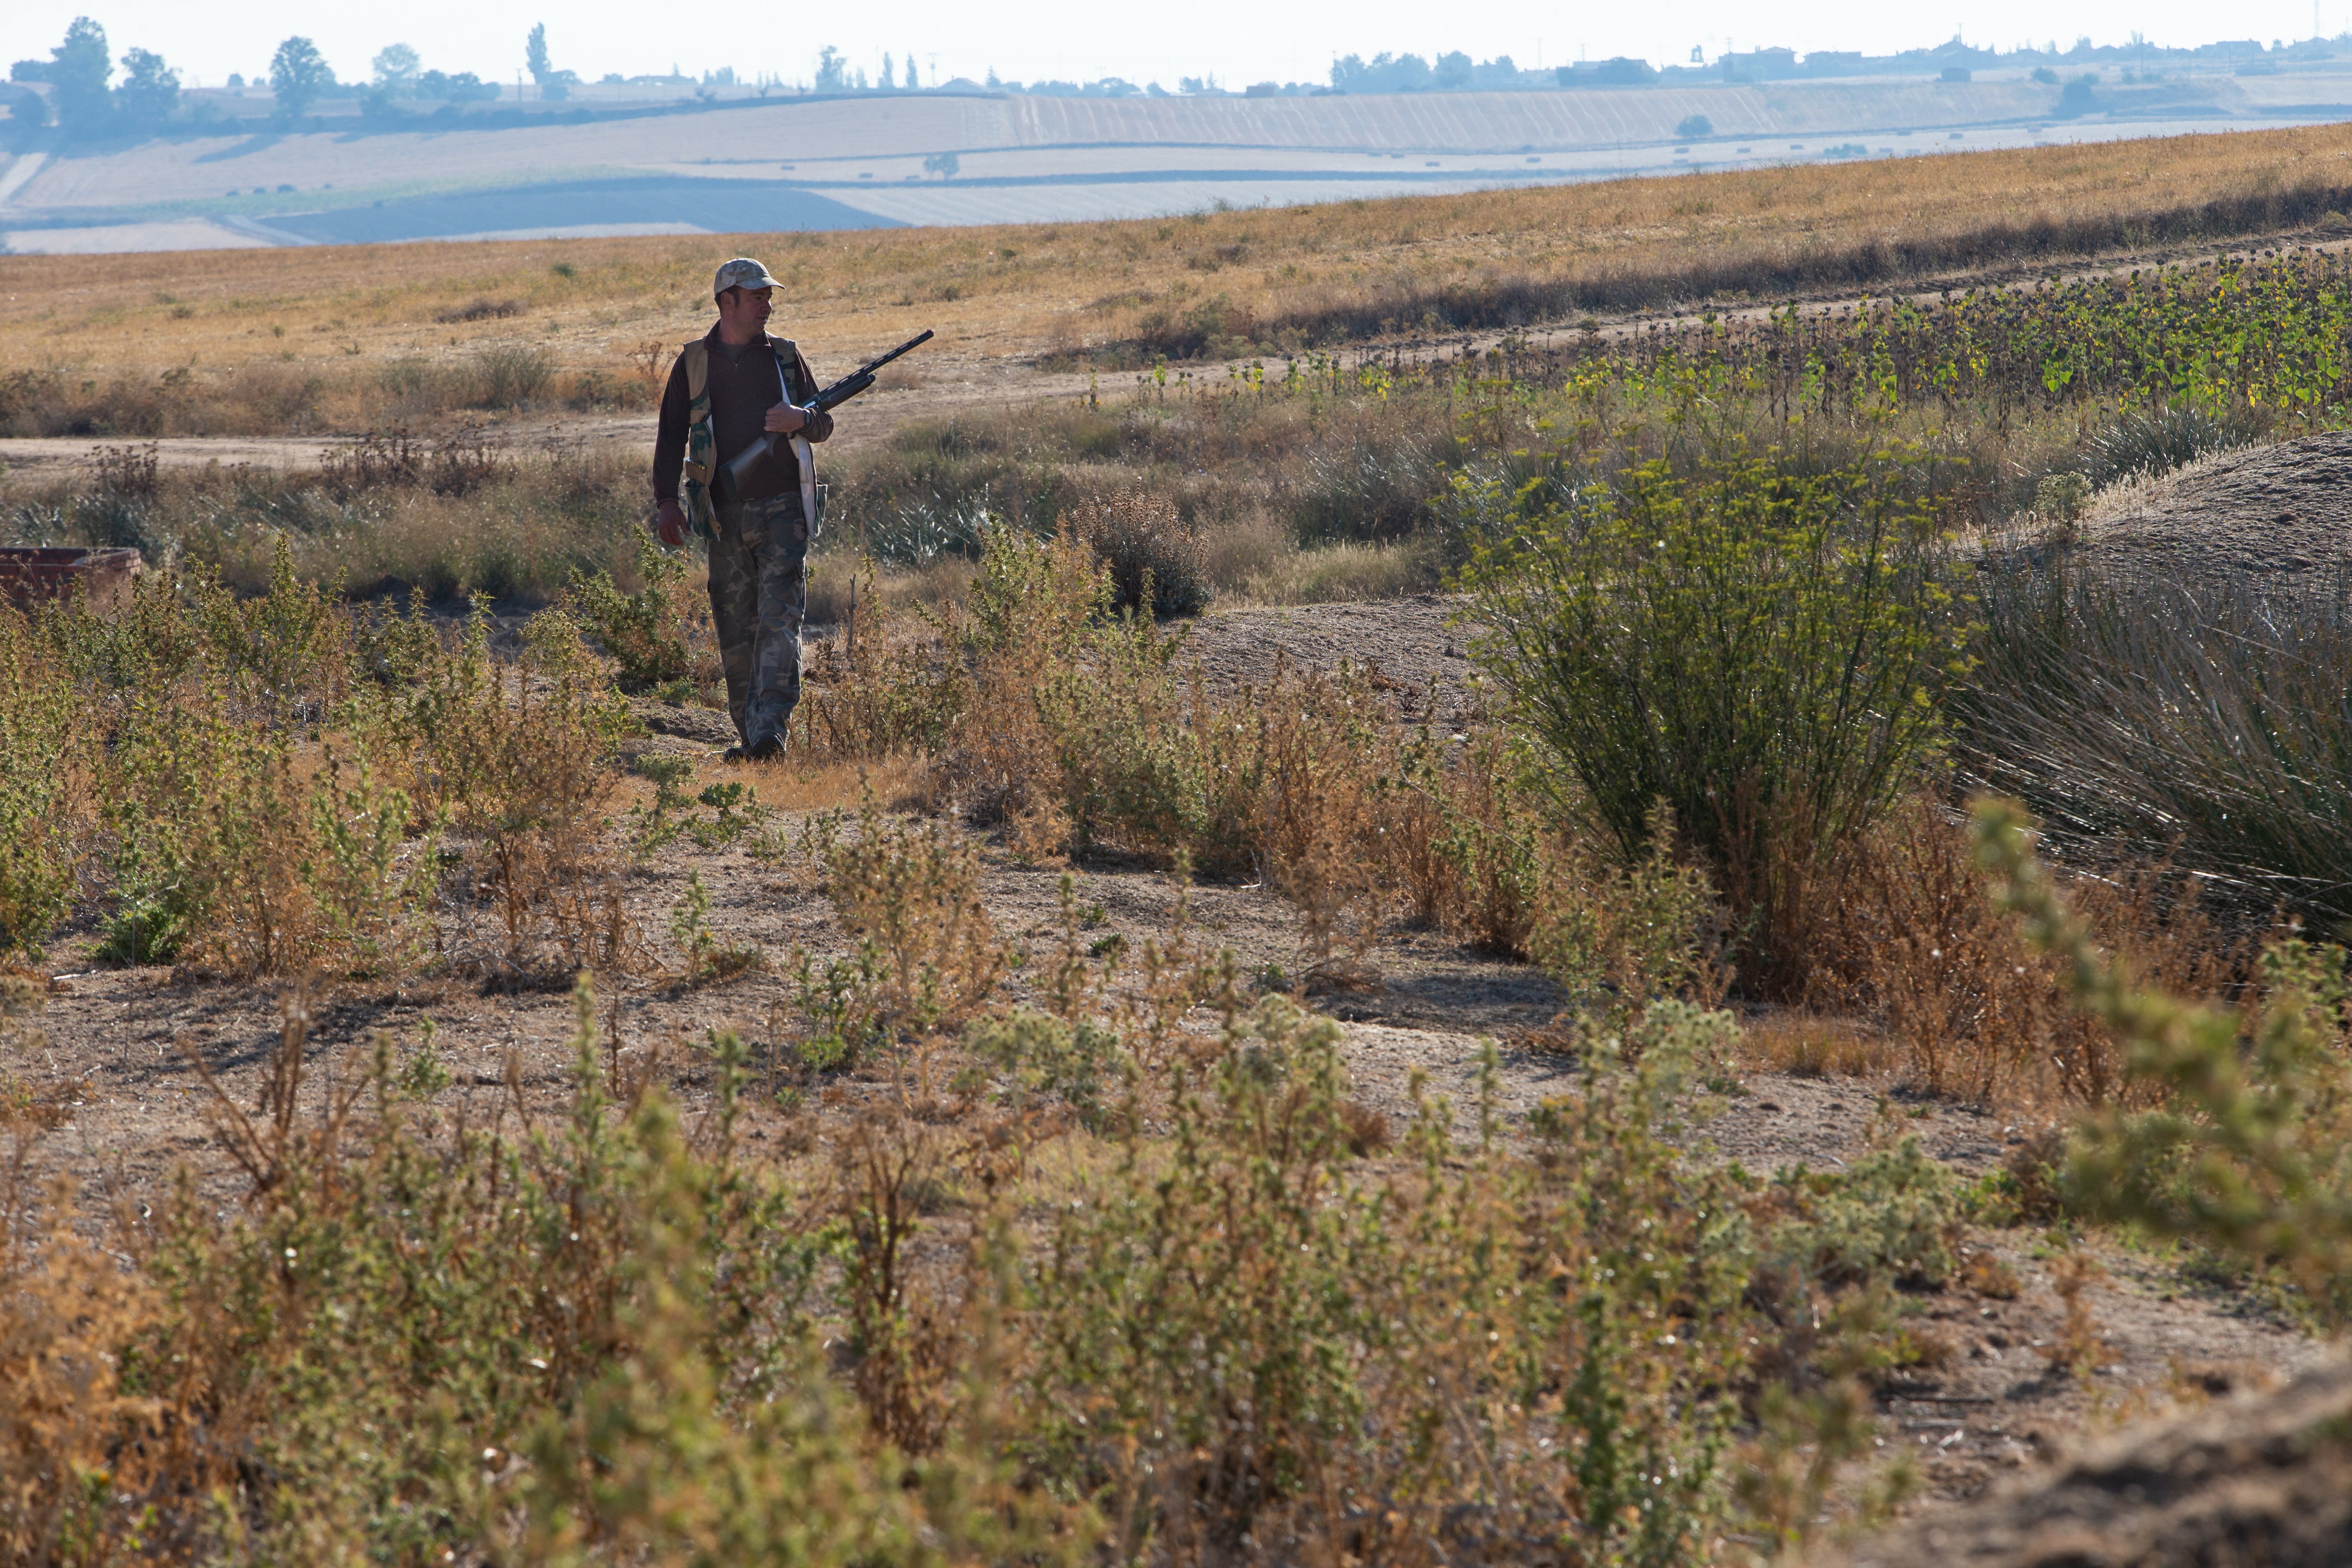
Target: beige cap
[{"x": 741, "y": 273}]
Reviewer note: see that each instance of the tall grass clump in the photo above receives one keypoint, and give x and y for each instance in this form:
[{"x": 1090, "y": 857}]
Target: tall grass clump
[
  {"x": 2207, "y": 723},
  {"x": 454, "y": 516},
  {"x": 1759, "y": 648}
]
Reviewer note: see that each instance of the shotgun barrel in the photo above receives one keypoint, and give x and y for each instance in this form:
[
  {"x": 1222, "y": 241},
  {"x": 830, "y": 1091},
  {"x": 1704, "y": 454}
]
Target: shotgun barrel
[{"x": 740, "y": 467}]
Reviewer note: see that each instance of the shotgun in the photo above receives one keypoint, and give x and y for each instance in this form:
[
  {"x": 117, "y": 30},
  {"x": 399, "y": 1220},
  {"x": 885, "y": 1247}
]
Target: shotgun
[{"x": 738, "y": 467}]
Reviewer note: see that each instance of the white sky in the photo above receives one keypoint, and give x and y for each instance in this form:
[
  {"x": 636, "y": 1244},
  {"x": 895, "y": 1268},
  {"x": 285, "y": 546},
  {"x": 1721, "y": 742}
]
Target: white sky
[{"x": 1240, "y": 41}]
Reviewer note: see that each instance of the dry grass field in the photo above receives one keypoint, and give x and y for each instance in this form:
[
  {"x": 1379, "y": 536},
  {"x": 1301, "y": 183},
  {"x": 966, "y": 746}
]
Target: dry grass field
[{"x": 264, "y": 342}]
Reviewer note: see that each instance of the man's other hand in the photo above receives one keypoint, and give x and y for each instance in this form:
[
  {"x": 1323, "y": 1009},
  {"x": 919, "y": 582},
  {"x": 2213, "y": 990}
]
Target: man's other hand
[
  {"x": 784, "y": 419},
  {"x": 669, "y": 524}
]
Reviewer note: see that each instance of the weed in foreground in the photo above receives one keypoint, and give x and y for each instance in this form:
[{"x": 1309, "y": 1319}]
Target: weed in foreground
[
  {"x": 926, "y": 957},
  {"x": 543, "y": 1340},
  {"x": 2252, "y": 1152}
]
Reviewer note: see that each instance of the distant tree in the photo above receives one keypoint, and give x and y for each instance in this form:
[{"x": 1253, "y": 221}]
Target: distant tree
[
  {"x": 298, "y": 75},
  {"x": 944, "y": 164},
  {"x": 552, "y": 83},
  {"x": 396, "y": 67},
  {"x": 890, "y": 72},
  {"x": 991, "y": 78},
  {"x": 833, "y": 71},
  {"x": 914, "y": 82},
  {"x": 1618, "y": 70},
  {"x": 1452, "y": 71},
  {"x": 150, "y": 89},
  {"x": 27, "y": 113},
  {"x": 1386, "y": 73},
  {"x": 463, "y": 88},
  {"x": 1693, "y": 126},
  {"x": 2079, "y": 96},
  {"x": 79, "y": 69},
  {"x": 30, "y": 70},
  {"x": 2045, "y": 76},
  {"x": 1501, "y": 72}
]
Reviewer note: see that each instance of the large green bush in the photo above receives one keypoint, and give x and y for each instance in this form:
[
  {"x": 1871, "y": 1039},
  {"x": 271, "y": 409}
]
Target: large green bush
[{"x": 1760, "y": 648}]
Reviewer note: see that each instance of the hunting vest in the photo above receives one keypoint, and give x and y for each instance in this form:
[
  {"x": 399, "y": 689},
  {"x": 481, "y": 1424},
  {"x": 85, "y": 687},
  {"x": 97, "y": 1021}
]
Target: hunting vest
[{"x": 701, "y": 458}]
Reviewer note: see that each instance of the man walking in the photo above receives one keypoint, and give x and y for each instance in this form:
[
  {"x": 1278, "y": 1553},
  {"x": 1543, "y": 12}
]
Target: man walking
[{"x": 727, "y": 388}]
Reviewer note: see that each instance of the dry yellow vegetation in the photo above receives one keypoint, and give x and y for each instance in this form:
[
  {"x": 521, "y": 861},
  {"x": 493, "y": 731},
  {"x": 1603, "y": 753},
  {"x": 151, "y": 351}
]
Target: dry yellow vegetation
[{"x": 339, "y": 319}]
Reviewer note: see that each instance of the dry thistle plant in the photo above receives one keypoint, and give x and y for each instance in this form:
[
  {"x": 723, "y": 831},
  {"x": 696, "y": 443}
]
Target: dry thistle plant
[
  {"x": 1156, "y": 559},
  {"x": 2079, "y": 1349},
  {"x": 1914, "y": 935}
]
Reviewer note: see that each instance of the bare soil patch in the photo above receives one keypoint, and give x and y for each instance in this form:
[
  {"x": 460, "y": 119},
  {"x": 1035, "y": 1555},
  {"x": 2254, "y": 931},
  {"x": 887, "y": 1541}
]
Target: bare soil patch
[{"x": 2252, "y": 1480}]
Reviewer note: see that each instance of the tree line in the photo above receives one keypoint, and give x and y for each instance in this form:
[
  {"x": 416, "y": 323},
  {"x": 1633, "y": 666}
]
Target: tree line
[{"x": 86, "y": 101}]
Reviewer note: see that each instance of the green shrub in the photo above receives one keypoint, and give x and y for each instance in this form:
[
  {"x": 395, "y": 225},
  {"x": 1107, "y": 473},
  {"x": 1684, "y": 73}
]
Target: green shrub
[
  {"x": 645, "y": 633},
  {"x": 1041, "y": 1055},
  {"x": 39, "y": 737},
  {"x": 1759, "y": 648},
  {"x": 1892, "y": 1214},
  {"x": 1248, "y": 1335}
]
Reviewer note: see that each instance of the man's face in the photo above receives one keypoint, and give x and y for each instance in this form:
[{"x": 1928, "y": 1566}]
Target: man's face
[{"x": 746, "y": 309}]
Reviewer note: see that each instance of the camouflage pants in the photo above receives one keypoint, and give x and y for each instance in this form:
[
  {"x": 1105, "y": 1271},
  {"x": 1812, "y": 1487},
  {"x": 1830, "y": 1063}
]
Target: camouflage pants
[{"x": 759, "y": 591}]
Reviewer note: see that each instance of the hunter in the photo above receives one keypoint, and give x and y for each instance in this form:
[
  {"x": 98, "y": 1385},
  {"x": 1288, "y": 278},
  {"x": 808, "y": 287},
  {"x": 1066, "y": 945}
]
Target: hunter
[{"x": 725, "y": 389}]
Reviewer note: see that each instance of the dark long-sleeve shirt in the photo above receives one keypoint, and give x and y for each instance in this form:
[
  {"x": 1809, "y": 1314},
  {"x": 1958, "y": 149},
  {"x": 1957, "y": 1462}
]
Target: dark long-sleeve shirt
[{"x": 743, "y": 386}]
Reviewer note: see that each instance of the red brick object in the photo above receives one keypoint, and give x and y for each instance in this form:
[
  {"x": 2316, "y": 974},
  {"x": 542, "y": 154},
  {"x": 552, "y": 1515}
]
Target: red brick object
[{"x": 29, "y": 574}]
